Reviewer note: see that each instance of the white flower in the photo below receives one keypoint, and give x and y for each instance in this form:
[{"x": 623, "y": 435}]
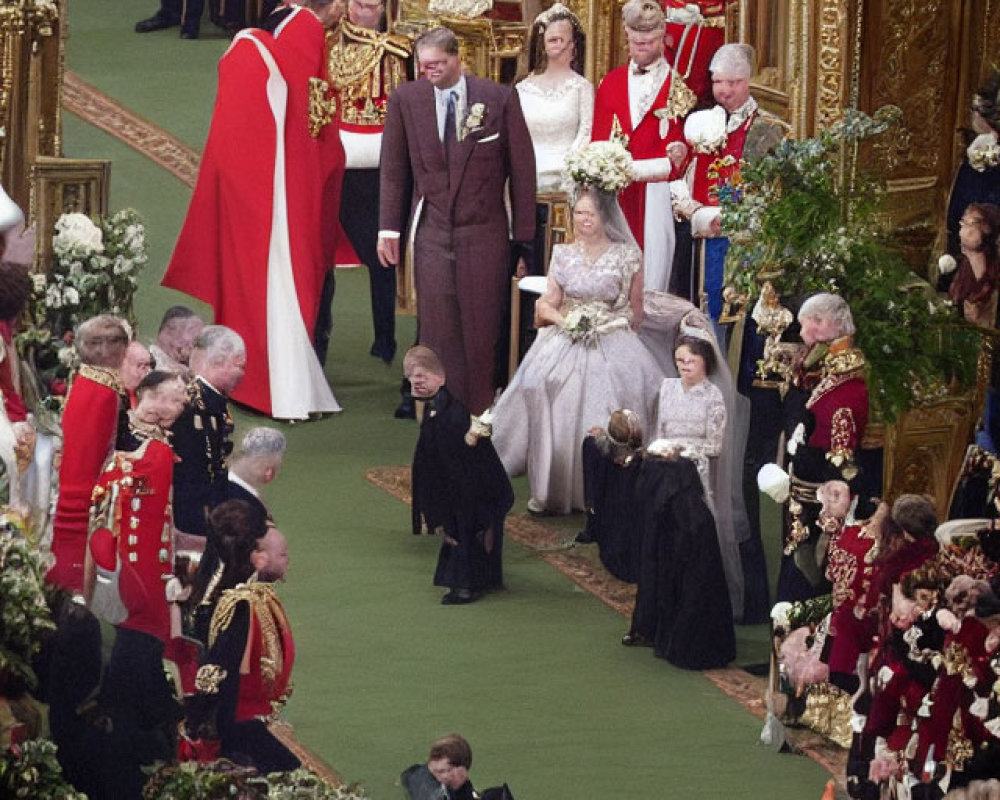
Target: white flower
[
  {"x": 947, "y": 264},
  {"x": 53, "y": 296},
  {"x": 78, "y": 231},
  {"x": 706, "y": 130},
  {"x": 779, "y": 614},
  {"x": 984, "y": 152},
  {"x": 70, "y": 296},
  {"x": 40, "y": 281},
  {"x": 67, "y": 356}
]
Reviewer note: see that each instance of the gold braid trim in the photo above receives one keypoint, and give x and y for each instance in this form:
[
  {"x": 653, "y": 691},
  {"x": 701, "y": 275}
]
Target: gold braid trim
[
  {"x": 209, "y": 678},
  {"x": 266, "y": 607},
  {"x": 105, "y": 376}
]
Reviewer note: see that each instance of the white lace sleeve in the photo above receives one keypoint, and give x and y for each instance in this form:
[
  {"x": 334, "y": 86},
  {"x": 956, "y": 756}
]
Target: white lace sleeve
[
  {"x": 585, "y": 92},
  {"x": 716, "y": 427}
]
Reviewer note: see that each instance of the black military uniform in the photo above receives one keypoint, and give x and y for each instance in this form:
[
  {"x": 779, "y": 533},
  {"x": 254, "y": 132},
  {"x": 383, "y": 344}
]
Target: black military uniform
[{"x": 201, "y": 439}]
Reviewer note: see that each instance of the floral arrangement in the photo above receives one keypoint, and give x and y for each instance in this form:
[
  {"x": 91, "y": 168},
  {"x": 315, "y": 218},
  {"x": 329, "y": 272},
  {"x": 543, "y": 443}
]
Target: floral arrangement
[
  {"x": 984, "y": 152},
  {"x": 95, "y": 269},
  {"x": 706, "y": 130},
  {"x": 807, "y": 221},
  {"x": 31, "y": 770},
  {"x": 223, "y": 779},
  {"x": 24, "y": 614},
  {"x": 606, "y": 166}
]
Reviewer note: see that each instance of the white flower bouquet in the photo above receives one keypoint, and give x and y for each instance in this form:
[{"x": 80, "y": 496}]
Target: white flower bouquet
[
  {"x": 705, "y": 130},
  {"x": 606, "y": 166},
  {"x": 984, "y": 152}
]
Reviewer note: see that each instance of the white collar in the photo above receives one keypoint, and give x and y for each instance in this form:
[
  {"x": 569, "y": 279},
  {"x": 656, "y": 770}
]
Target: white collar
[
  {"x": 460, "y": 88},
  {"x": 741, "y": 115},
  {"x": 240, "y": 482},
  {"x": 659, "y": 64}
]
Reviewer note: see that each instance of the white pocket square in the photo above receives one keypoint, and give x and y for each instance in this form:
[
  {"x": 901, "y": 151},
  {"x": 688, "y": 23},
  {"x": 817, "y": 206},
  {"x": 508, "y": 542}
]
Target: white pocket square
[{"x": 486, "y": 139}]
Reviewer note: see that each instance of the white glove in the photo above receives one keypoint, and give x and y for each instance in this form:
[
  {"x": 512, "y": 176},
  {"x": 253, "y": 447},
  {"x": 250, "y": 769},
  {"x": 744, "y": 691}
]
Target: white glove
[
  {"x": 947, "y": 264},
  {"x": 773, "y": 481}
]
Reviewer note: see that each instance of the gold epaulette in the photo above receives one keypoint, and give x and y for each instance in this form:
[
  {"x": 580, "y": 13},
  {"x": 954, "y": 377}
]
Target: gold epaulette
[
  {"x": 105, "y": 376},
  {"x": 355, "y": 34},
  {"x": 845, "y": 362},
  {"x": 266, "y": 607},
  {"x": 680, "y": 98}
]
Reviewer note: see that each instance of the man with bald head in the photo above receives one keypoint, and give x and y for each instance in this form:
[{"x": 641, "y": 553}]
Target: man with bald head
[{"x": 179, "y": 328}]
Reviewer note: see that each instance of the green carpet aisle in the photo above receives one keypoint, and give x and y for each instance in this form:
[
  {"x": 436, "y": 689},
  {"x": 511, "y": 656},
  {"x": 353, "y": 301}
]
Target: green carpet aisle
[{"x": 533, "y": 676}]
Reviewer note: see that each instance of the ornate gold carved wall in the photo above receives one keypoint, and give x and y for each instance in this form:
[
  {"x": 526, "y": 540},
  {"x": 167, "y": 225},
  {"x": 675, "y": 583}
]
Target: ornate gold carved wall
[
  {"x": 31, "y": 70},
  {"x": 925, "y": 56}
]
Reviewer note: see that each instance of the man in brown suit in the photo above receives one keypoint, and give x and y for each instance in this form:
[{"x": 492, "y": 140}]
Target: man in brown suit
[{"x": 457, "y": 140}]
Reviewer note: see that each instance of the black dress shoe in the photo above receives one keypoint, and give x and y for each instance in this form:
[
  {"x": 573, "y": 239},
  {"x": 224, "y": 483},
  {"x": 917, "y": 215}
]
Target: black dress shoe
[
  {"x": 406, "y": 409},
  {"x": 383, "y": 350},
  {"x": 635, "y": 640},
  {"x": 459, "y": 597},
  {"x": 188, "y": 35},
  {"x": 585, "y": 537},
  {"x": 157, "y": 22}
]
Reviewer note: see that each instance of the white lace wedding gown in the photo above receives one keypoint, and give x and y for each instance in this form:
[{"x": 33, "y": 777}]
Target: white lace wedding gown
[
  {"x": 568, "y": 384},
  {"x": 559, "y": 120}
]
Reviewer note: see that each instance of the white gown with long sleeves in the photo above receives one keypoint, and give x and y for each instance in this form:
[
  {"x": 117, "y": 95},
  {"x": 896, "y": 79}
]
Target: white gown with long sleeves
[
  {"x": 559, "y": 120},
  {"x": 693, "y": 419}
]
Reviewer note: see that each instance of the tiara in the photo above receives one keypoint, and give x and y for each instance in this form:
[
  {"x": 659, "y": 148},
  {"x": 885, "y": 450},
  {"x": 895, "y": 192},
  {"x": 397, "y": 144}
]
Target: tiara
[
  {"x": 556, "y": 9},
  {"x": 697, "y": 333}
]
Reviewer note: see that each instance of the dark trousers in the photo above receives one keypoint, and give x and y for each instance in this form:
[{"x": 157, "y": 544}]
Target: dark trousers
[{"x": 359, "y": 219}]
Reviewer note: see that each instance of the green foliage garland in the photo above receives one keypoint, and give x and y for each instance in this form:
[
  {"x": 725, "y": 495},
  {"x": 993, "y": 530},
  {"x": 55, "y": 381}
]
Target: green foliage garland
[
  {"x": 24, "y": 615},
  {"x": 30, "y": 771},
  {"x": 804, "y": 220}
]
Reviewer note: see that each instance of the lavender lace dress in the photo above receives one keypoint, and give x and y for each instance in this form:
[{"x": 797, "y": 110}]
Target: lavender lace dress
[{"x": 571, "y": 381}]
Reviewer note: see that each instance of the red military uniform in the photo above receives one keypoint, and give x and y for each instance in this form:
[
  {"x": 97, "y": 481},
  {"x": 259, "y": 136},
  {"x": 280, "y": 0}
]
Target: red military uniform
[
  {"x": 132, "y": 505},
  {"x": 692, "y": 55},
  {"x": 89, "y": 423},
  {"x": 839, "y": 405},
  {"x": 244, "y": 678},
  {"x": 850, "y": 562},
  {"x": 659, "y": 125}
]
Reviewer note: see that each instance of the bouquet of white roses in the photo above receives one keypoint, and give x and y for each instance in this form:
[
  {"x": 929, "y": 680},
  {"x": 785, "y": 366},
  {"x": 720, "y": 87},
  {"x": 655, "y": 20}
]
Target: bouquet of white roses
[
  {"x": 95, "y": 267},
  {"x": 606, "y": 166}
]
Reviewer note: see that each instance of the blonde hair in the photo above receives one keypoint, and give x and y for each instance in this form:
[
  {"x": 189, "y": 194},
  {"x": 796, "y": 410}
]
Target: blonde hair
[{"x": 422, "y": 356}]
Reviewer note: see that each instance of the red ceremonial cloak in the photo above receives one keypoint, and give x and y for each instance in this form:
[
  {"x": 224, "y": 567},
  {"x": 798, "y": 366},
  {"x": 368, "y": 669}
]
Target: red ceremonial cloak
[{"x": 268, "y": 195}]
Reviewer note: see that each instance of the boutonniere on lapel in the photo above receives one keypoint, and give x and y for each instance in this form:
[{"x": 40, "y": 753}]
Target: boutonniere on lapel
[{"x": 473, "y": 120}]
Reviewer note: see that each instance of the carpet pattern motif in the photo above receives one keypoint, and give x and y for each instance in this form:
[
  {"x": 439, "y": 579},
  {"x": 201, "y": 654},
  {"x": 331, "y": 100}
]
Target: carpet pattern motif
[
  {"x": 151, "y": 141},
  {"x": 580, "y": 565}
]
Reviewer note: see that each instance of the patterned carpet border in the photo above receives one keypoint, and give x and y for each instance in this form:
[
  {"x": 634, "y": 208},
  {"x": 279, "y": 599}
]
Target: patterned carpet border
[
  {"x": 580, "y": 566},
  {"x": 151, "y": 141}
]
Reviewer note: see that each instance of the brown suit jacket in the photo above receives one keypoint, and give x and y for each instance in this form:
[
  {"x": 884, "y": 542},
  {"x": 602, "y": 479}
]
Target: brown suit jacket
[{"x": 472, "y": 195}]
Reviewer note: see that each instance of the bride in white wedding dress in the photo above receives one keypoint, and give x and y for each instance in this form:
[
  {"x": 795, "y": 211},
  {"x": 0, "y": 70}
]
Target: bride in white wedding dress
[{"x": 586, "y": 362}]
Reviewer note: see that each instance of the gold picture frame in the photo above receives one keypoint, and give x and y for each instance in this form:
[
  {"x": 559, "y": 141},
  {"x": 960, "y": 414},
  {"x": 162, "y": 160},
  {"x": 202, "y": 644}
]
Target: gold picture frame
[{"x": 65, "y": 185}]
